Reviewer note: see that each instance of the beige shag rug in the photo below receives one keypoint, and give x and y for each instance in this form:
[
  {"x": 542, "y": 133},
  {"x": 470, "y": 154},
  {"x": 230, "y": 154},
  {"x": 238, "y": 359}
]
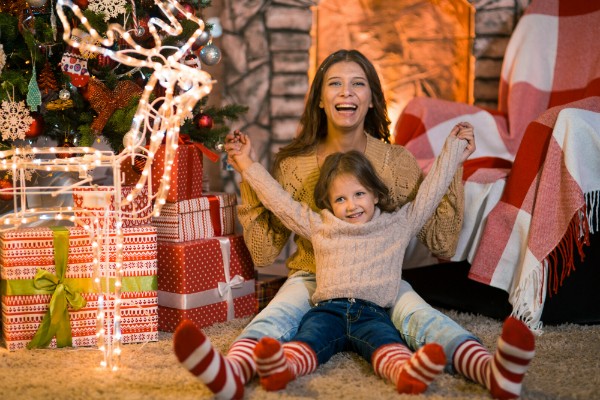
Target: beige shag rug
[{"x": 566, "y": 366}]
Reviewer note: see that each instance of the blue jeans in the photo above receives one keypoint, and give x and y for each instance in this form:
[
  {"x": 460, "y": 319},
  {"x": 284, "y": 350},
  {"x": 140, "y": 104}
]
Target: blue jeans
[
  {"x": 417, "y": 322},
  {"x": 337, "y": 325}
]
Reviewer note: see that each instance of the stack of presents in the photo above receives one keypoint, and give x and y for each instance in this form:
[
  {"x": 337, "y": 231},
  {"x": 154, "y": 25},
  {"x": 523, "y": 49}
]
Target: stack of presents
[{"x": 187, "y": 263}]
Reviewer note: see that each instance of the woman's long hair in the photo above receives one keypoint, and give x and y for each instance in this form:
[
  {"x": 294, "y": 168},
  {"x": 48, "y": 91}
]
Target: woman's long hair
[
  {"x": 313, "y": 123},
  {"x": 356, "y": 164}
]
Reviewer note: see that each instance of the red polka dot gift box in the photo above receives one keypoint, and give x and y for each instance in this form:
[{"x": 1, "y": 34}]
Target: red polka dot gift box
[
  {"x": 207, "y": 216},
  {"x": 205, "y": 280},
  {"x": 97, "y": 203},
  {"x": 39, "y": 265},
  {"x": 186, "y": 173}
]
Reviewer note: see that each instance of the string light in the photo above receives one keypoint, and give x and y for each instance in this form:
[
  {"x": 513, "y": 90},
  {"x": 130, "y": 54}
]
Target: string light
[{"x": 158, "y": 124}]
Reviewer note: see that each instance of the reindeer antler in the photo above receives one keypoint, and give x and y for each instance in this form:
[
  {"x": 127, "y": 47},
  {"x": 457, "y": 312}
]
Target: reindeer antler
[{"x": 169, "y": 71}]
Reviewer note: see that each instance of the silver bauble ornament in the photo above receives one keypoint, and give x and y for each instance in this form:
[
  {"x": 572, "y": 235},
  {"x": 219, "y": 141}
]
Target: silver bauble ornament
[
  {"x": 202, "y": 40},
  {"x": 210, "y": 54},
  {"x": 64, "y": 94}
]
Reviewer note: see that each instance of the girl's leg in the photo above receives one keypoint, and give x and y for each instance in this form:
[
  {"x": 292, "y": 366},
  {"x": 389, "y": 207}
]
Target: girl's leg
[
  {"x": 374, "y": 337},
  {"x": 278, "y": 364},
  {"x": 225, "y": 375},
  {"x": 503, "y": 373},
  {"x": 410, "y": 373},
  {"x": 321, "y": 335}
]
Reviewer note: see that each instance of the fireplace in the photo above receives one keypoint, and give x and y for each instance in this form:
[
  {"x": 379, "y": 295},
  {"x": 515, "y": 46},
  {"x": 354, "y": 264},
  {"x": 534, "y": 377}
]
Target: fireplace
[{"x": 419, "y": 47}]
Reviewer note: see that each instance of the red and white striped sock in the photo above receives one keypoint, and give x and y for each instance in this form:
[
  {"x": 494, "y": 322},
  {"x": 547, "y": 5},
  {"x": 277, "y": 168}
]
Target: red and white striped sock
[
  {"x": 502, "y": 374},
  {"x": 279, "y": 364},
  {"x": 224, "y": 376},
  {"x": 410, "y": 373}
]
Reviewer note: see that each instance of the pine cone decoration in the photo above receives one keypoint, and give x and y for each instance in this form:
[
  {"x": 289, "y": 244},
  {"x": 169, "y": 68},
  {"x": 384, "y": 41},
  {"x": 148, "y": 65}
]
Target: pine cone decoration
[{"x": 47, "y": 81}]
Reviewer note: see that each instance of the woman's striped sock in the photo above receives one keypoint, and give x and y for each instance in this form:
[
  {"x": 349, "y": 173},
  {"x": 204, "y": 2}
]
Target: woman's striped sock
[
  {"x": 224, "y": 376},
  {"x": 502, "y": 374}
]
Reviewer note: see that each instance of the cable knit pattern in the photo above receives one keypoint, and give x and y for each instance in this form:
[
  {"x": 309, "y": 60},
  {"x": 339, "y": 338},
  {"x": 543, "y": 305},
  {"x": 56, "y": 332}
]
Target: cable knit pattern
[
  {"x": 266, "y": 236},
  {"x": 369, "y": 253}
]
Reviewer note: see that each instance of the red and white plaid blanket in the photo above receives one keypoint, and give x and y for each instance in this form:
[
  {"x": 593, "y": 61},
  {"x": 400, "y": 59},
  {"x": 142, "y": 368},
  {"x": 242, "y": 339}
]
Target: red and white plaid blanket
[{"x": 532, "y": 188}]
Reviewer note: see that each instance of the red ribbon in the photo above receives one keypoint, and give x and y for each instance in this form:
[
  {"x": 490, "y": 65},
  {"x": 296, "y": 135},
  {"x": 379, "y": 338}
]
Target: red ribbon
[
  {"x": 211, "y": 155},
  {"x": 214, "y": 208}
]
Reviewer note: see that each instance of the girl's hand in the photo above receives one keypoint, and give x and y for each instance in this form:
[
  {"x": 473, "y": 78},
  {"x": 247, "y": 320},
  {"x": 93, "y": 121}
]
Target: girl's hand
[
  {"x": 239, "y": 149},
  {"x": 465, "y": 131}
]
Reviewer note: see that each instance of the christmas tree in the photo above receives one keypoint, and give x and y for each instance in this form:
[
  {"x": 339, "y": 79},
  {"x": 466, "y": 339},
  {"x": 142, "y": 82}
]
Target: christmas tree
[{"x": 52, "y": 90}]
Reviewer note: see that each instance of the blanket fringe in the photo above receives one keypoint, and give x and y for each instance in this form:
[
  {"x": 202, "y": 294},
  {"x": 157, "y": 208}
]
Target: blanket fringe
[
  {"x": 561, "y": 260},
  {"x": 592, "y": 201},
  {"x": 529, "y": 297},
  {"x": 528, "y": 306}
]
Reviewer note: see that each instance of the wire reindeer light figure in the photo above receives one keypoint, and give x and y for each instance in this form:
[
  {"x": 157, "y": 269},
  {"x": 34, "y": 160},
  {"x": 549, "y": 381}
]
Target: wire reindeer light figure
[{"x": 156, "y": 120}]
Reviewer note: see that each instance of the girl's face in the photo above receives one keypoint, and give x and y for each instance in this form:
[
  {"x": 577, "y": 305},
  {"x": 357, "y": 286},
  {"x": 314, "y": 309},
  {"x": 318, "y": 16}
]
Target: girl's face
[
  {"x": 350, "y": 200},
  {"x": 345, "y": 97}
]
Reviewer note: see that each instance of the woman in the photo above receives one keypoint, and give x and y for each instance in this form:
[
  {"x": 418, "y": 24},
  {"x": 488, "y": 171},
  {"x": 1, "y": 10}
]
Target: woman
[{"x": 345, "y": 110}]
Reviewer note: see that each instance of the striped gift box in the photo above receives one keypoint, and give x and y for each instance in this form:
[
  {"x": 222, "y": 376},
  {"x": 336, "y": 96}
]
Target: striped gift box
[
  {"x": 212, "y": 214},
  {"x": 26, "y": 252}
]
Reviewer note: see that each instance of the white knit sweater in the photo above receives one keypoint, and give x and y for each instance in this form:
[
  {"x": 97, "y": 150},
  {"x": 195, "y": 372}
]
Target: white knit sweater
[{"x": 362, "y": 261}]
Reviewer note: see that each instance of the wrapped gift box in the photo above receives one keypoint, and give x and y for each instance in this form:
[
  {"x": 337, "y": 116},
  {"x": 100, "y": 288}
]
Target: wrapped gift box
[
  {"x": 24, "y": 252},
  {"x": 186, "y": 173},
  {"x": 201, "y": 218},
  {"x": 267, "y": 286},
  {"x": 205, "y": 280},
  {"x": 90, "y": 203}
]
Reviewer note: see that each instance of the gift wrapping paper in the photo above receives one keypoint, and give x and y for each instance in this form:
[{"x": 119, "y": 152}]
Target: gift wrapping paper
[
  {"x": 25, "y": 252},
  {"x": 94, "y": 199},
  {"x": 186, "y": 173},
  {"x": 267, "y": 286},
  {"x": 212, "y": 214},
  {"x": 205, "y": 280}
]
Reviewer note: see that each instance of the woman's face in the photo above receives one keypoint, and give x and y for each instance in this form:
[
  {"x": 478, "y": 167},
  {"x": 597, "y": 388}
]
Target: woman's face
[{"x": 345, "y": 97}]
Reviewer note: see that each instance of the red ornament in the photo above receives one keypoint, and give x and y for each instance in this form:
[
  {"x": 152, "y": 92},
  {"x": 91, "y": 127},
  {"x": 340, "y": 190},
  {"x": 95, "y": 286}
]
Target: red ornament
[
  {"x": 139, "y": 162},
  {"x": 6, "y": 186},
  {"x": 37, "y": 126},
  {"x": 66, "y": 144},
  {"x": 203, "y": 121},
  {"x": 83, "y": 4}
]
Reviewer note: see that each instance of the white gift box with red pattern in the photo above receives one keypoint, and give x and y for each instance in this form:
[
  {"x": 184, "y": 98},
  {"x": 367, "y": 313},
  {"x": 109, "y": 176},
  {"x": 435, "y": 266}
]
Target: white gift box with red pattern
[
  {"x": 206, "y": 281},
  {"x": 25, "y": 251},
  {"x": 208, "y": 216},
  {"x": 91, "y": 202}
]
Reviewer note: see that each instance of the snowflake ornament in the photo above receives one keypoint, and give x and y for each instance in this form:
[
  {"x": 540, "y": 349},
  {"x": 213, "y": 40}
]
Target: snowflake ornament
[
  {"x": 110, "y": 8},
  {"x": 26, "y": 156},
  {"x": 2, "y": 58},
  {"x": 15, "y": 120}
]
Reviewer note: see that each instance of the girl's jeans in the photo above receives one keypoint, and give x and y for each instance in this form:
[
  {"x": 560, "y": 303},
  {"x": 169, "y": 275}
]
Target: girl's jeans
[
  {"x": 417, "y": 322},
  {"x": 337, "y": 325}
]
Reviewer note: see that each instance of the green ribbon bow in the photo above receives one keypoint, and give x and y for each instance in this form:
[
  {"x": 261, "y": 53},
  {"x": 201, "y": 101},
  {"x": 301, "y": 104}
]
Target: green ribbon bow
[{"x": 56, "y": 321}]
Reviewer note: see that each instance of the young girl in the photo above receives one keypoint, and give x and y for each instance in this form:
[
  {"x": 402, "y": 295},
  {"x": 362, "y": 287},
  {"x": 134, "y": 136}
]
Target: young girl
[{"x": 358, "y": 239}]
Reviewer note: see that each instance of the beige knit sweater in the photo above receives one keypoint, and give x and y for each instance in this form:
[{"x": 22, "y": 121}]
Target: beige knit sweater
[
  {"x": 362, "y": 261},
  {"x": 266, "y": 236}
]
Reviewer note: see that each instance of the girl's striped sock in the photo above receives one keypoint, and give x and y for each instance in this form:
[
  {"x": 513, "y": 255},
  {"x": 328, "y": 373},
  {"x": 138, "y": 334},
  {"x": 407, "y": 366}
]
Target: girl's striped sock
[
  {"x": 410, "y": 373},
  {"x": 279, "y": 364}
]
